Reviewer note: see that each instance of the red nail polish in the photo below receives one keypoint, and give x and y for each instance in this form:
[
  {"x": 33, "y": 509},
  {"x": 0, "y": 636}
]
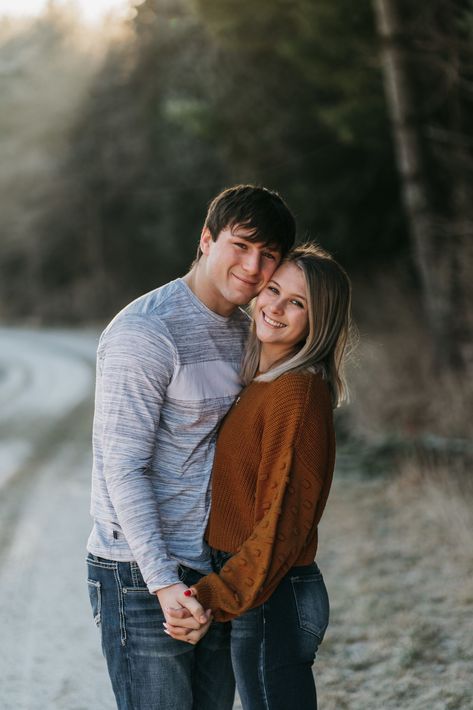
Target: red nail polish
[{"x": 188, "y": 593}]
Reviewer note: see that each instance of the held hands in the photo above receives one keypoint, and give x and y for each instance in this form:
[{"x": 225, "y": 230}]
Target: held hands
[{"x": 186, "y": 620}]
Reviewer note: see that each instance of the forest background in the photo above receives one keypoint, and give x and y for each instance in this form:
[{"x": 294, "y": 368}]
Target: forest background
[{"x": 114, "y": 140}]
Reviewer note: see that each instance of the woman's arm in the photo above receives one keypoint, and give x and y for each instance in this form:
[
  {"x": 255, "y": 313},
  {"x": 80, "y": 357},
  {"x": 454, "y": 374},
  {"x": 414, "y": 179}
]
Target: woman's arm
[{"x": 296, "y": 466}]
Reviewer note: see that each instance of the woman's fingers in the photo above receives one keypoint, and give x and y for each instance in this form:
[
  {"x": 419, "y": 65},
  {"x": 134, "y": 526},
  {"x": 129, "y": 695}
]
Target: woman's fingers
[
  {"x": 177, "y": 619},
  {"x": 192, "y": 636},
  {"x": 176, "y": 631},
  {"x": 191, "y": 603}
]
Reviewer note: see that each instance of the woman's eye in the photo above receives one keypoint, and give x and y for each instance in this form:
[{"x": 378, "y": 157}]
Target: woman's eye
[
  {"x": 297, "y": 303},
  {"x": 273, "y": 289}
]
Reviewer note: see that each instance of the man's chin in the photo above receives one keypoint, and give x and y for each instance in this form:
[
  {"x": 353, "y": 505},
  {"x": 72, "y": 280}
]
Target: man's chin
[{"x": 241, "y": 299}]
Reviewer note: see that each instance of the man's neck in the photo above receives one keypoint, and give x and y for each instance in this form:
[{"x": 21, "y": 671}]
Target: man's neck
[{"x": 198, "y": 283}]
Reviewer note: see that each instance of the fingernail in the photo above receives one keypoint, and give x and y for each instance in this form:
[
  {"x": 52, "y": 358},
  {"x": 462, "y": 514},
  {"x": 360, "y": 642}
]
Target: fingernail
[
  {"x": 167, "y": 632},
  {"x": 188, "y": 593},
  {"x": 165, "y": 625}
]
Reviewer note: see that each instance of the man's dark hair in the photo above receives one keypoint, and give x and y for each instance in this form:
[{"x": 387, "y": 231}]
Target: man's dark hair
[{"x": 257, "y": 209}]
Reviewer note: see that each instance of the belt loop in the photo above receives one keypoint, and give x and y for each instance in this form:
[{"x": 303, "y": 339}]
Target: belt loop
[{"x": 135, "y": 574}]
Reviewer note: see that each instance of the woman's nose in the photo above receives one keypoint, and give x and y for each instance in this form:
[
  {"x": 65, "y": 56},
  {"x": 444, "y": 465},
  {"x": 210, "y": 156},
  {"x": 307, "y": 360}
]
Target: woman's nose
[{"x": 277, "y": 306}]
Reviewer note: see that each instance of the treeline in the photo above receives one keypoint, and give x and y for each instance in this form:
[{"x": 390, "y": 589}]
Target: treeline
[{"x": 286, "y": 93}]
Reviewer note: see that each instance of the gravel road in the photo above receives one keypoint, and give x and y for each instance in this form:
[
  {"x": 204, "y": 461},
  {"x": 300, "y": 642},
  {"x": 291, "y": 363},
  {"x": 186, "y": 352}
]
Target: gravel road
[{"x": 51, "y": 657}]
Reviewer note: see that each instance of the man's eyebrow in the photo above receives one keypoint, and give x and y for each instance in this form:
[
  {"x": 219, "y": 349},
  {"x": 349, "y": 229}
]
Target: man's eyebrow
[
  {"x": 251, "y": 240},
  {"x": 297, "y": 295}
]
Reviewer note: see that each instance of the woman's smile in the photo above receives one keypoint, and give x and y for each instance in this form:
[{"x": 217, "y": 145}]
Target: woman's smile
[{"x": 273, "y": 323}]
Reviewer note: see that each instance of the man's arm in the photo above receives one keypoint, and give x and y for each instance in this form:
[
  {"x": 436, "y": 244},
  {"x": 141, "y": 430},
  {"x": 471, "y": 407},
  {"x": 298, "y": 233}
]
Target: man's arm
[{"x": 136, "y": 366}]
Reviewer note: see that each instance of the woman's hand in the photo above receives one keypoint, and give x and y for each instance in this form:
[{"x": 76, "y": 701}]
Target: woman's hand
[
  {"x": 180, "y": 633},
  {"x": 177, "y": 625},
  {"x": 184, "y": 608}
]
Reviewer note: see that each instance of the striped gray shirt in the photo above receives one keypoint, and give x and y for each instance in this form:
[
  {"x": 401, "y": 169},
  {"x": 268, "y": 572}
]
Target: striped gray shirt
[{"x": 167, "y": 372}]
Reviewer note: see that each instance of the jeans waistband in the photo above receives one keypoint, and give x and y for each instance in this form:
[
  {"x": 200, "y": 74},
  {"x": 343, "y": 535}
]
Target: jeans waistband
[{"x": 218, "y": 558}]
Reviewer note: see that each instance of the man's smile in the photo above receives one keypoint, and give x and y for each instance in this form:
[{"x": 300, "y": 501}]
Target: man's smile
[{"x": 245, "y": 281}]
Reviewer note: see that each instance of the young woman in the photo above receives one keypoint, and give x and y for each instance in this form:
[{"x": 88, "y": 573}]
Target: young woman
[{"x": 271, "y": 478}]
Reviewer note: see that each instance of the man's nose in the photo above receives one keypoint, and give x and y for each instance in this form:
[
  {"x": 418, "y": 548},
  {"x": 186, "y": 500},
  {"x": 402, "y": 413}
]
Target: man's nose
[{"x": 252, "y": 262}]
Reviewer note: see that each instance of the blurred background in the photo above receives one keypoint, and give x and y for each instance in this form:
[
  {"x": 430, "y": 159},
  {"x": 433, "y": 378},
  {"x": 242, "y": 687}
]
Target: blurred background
[{"x": 119, "y": 121}]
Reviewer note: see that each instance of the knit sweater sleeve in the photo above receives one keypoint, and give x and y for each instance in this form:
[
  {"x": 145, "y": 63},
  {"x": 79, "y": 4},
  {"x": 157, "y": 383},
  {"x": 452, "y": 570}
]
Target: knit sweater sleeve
[{"x": 296, "y": 458}]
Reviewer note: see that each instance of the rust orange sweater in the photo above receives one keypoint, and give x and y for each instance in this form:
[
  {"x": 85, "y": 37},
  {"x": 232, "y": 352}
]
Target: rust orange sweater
[{"x": 271, "y": 477}]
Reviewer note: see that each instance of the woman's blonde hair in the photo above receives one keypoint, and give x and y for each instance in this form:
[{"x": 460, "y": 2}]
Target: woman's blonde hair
[{"x": 329, "y": 313}]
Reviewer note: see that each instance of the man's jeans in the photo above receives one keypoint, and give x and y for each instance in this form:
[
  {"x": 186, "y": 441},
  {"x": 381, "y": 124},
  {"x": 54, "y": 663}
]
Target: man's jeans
[
  {"x": 150, "y": 670},
  {"x": 274, "y": 645}
]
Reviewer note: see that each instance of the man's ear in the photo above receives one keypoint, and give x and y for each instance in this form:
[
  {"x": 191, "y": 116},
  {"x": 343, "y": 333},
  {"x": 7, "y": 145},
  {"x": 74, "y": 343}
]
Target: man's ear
[{"x": 205, "y": 239}]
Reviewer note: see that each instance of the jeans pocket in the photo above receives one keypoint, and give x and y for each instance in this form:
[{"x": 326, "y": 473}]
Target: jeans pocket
[
  {"x": 95, "y": 597},
  {"x": 311, "y": 599}
]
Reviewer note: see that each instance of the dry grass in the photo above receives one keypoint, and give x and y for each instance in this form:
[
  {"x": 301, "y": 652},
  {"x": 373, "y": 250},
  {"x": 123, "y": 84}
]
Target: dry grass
[
  {"x": 396, "y": 549},
  {"x": 440, "y": 490},
  {"x": 396, "y": 391},
  {"x": 401, "y": 587}
]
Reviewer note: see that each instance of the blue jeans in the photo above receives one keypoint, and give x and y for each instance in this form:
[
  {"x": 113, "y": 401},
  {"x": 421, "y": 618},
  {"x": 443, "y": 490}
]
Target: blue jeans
[
  {"x": 150, "y": 670},
  {"x": 274, "y": 645}
]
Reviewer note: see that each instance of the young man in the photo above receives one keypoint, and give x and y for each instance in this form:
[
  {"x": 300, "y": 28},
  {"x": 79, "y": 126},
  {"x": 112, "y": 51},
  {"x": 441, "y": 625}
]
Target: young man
[{"x": 167, "y": 372}]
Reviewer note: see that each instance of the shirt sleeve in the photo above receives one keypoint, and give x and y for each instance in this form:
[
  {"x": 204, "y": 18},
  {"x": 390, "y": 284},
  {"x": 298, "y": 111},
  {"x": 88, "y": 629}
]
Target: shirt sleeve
[
  {"x": 288, "y": 503},
  {"x": 135, "y": 364}
]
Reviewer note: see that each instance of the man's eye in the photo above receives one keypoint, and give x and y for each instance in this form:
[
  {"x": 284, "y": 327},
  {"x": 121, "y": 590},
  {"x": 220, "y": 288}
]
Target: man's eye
[
  {"x": 268, "y": 255},
  {"x": 241, "y": 245}
]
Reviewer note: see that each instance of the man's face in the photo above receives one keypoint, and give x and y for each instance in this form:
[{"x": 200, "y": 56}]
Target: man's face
[{"x": 236, "y": 269}]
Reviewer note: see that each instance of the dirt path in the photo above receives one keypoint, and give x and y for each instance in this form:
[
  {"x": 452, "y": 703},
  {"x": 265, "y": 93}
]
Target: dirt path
[
  {"x": 51, "y": 658},
  {"x": 54, "y": 660},
  {"x": 402, "y": 603}
]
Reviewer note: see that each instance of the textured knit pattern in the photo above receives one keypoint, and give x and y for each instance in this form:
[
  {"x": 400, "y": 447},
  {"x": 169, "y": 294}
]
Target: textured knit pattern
[
  {"x": 272, "y": 474},
  {"x": 167, "y": 372}
]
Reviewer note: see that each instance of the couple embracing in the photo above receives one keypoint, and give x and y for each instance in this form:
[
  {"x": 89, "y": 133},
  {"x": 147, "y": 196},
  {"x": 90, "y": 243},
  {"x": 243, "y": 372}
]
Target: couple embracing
[{"x": 213, "y": 458}]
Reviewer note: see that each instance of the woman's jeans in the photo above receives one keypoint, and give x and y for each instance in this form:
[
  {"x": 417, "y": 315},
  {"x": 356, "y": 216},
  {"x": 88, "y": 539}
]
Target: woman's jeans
[
  {"x": 274, "y": 645},
  {"x": 150, "y": 670}
]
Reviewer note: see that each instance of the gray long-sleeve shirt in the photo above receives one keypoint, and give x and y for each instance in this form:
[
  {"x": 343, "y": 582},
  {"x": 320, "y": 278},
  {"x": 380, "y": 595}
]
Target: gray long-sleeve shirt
[{"x": 167, "y": 372}]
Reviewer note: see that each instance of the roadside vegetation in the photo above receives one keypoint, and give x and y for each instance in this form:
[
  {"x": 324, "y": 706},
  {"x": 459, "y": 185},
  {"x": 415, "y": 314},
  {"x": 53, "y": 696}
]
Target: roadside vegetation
[{"x": 395, "y": 542}]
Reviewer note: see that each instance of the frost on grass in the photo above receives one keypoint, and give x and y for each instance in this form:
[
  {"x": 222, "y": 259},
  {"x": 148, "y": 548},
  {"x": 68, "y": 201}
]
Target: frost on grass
[{"x": 401, "y": 598}]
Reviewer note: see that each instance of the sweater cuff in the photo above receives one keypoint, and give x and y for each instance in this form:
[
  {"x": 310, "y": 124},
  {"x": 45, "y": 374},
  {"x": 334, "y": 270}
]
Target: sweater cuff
[
  {"x": 167, "y": 575},
  {"x": 205, "y": 594}
]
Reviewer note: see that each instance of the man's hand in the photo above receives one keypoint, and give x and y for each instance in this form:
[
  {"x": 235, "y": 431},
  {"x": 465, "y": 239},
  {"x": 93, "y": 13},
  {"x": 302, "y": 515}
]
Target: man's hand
[{"x": 185, "y": 610}]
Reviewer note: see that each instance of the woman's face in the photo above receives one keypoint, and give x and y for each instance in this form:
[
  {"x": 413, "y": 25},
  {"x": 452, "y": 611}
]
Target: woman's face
[{"x": 281, "y": 315}]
